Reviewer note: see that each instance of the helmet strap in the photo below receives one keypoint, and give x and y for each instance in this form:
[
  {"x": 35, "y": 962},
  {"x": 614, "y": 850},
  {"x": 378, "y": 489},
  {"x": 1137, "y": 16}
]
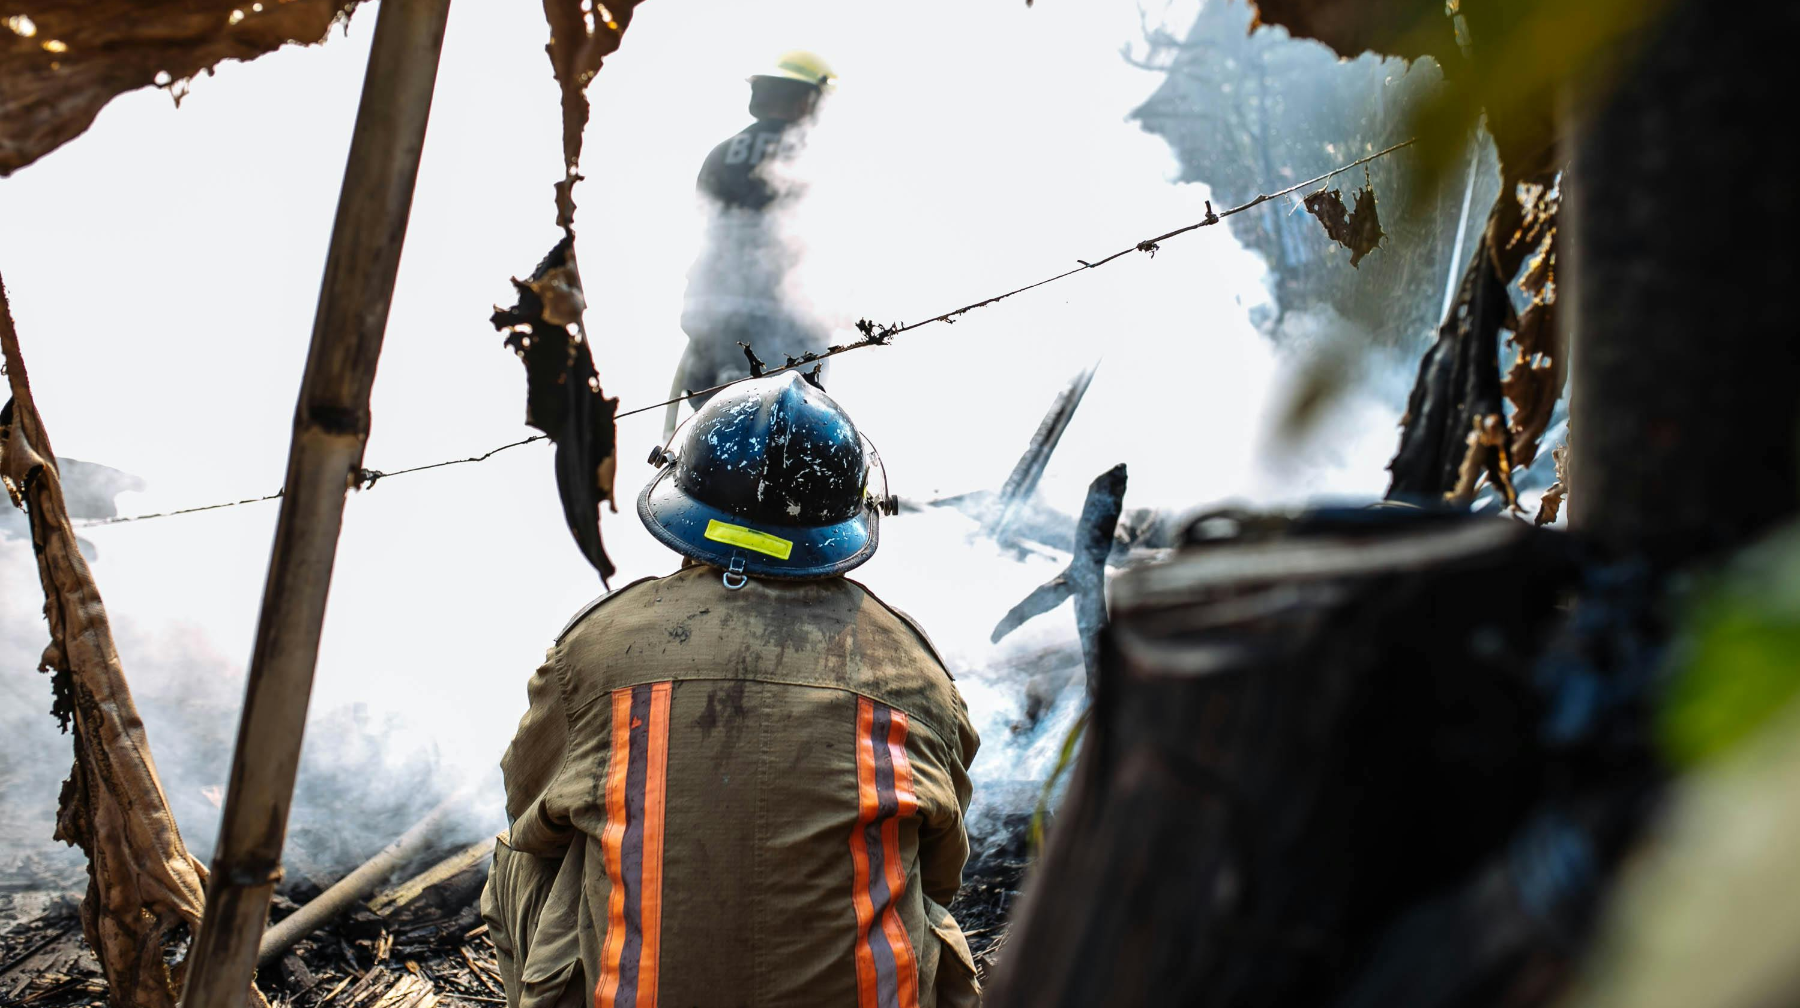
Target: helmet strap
[{"x": 734, "y": 578}]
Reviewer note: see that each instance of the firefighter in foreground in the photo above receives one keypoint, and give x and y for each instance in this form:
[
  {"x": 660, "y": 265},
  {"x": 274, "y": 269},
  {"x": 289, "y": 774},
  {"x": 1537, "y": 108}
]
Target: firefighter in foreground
[
  {"x": 734, "y": 293},
  {"x": 743, "y": 783}
]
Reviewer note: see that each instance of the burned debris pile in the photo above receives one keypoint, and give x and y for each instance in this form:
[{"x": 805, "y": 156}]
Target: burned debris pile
[{"x": 417, "y": 942}]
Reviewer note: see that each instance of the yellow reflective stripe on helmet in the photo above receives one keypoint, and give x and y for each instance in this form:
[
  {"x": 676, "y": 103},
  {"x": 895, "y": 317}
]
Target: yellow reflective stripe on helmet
[{"x": 749, "y": 538}]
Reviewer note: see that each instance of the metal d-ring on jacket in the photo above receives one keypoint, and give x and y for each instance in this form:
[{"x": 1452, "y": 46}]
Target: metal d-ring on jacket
[{"x": 749, "y": 797}]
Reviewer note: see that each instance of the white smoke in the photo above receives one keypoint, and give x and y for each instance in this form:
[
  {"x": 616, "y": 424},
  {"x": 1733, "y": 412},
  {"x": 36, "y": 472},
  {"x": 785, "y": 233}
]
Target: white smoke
[{"x": 166, "y": 306}]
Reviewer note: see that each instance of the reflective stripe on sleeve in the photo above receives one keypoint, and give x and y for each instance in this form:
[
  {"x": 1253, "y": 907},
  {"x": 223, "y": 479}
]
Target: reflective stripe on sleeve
[
  {"x": 886, "y": 971},
  {"x": 632, "y": 845}
]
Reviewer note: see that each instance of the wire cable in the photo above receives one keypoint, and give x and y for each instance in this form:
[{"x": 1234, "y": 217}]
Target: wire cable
[{"x": 873, "y": 335}]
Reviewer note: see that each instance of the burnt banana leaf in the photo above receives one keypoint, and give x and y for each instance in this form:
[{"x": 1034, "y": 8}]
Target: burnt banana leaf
[{"x": 562, "y": 393}]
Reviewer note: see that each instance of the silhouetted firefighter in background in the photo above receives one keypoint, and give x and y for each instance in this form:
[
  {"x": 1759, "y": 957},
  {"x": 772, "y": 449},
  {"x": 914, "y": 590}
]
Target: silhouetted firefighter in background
[{"x": 734, "y": 289}]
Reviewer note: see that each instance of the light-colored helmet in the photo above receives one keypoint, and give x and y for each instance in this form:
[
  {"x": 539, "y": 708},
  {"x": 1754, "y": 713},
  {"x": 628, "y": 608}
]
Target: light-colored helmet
[{"x": 800, "y": 65}]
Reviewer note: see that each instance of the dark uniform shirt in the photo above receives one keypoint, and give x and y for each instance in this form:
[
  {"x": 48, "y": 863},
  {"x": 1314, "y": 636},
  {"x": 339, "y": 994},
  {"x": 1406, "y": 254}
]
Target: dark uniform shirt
[
  {"x": 733, "y": 173},
  {"x": 735, "y": 292}
]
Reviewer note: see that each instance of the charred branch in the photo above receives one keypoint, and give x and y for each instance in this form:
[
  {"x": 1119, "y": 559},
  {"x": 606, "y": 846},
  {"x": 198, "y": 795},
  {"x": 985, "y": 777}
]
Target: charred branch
[
  {"x": 1085, "y": 577},
  {"x": 358, "y": 885},
  {"x": 1022, "y": 483}
]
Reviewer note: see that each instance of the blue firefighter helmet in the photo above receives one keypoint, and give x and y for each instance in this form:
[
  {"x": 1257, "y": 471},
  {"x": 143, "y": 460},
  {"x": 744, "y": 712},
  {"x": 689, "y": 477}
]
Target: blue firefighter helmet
[{"x": 769, "y": 479}]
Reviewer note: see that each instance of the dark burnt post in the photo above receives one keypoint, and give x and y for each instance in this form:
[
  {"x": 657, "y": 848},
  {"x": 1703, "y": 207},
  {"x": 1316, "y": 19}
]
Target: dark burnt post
[{"x": 1686, "y": 369}]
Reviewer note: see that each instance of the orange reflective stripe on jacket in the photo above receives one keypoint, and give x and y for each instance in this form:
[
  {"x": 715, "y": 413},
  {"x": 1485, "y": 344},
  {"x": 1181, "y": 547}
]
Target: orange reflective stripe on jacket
[
  {"x": 886, "y": 972},
  {"x": 633, "y": 846}
]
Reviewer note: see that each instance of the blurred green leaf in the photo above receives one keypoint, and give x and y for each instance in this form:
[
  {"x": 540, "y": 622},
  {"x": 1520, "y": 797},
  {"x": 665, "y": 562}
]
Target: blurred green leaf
[{"x": 1737, "y": 657}]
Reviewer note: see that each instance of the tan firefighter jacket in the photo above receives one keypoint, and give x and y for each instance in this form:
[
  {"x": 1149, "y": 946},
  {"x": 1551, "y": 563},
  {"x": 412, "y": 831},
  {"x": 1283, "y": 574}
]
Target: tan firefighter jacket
[{"x": 749, "y": 797}]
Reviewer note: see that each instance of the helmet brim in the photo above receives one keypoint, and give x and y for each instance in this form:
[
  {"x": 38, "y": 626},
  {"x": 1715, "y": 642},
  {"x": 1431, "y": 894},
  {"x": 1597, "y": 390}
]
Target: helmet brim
[
  {"x": 781, "y": 74},
  {"x": 680, "y": 522}
]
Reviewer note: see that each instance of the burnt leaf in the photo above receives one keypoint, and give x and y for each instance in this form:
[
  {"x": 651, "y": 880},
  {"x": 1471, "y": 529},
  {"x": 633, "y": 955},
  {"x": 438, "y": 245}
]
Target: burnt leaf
[
  {"x": 1551, "y": 503},
  {"x": 1535, "y": 380},
  {"x": 64, "y": 61},
  {"x": 1488, "y": 455},
  {"x": 562, "y": 393},
  {"x": 582, "y": 34},
  {"x": 1358, "y": 230},
  {"x": 1457, "y": 395}
]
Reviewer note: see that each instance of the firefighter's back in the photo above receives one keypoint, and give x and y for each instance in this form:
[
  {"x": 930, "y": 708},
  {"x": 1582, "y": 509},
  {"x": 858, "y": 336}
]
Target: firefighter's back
[{"x": 761, "y": 791}]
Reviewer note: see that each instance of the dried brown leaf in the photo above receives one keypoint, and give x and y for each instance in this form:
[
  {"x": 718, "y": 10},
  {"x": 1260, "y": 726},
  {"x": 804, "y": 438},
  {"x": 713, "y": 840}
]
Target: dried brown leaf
[
  {"x": 1535, "y": 382},
  {"x": 1551, "y": 503},
  {"x": 143, "y": 885},
  {"x": 1488, "y": 456},
  {"x": 61, "y": 62},
  {"x": 1358, "y": 230},
  {"x": 582, "y": 34}
]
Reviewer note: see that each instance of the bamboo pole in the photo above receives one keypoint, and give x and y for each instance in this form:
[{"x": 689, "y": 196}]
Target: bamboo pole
[{"x": 331, "y": 426}]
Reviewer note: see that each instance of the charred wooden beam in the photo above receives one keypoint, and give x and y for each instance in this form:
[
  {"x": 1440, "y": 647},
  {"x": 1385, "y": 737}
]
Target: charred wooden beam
[
  {"x": 1023, "y": 480},
  {"x": 356, "y": 886},
  {"x": 331, "y": 426},
  {"x": 1085, "y": 577},
  {"x": 442, "y": 890}
]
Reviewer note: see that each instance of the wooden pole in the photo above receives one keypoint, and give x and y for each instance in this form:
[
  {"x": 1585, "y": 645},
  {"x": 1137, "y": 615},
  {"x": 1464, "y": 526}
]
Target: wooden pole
[{"x": 331, "y": 426}]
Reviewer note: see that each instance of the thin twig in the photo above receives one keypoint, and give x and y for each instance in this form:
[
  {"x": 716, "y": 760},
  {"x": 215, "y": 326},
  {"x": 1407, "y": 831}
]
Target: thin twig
[
  {"x": 476, "y": 969},
  {"x": 873, "y": 335},
  {"x": 334, "y": 991}
]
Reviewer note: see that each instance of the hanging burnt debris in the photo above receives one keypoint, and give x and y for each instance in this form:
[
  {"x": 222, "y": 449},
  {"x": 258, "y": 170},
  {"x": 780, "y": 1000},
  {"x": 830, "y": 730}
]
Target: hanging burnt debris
[
  {"x": 1358, "y": 230},
  {"x": 61, "y": 62},
  {"x": 1456, "y": 430},
  {"x": 1535, "y": 381},
  {"x": 145, "y": 891},
  {"x": 562, "y": 393},
  {"x": 563, "y": 396},
  {"x": 582, "y": 34},
  {"x": 1451, "y": 432}
]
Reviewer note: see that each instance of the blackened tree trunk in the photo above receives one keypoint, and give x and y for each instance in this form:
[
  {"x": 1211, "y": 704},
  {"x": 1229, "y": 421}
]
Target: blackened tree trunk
[{"x": 1686, "y": 369}]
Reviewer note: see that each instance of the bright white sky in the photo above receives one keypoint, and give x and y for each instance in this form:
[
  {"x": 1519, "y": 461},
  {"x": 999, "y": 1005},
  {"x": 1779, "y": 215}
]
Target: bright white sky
[{"x": 164, "y": 268}]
